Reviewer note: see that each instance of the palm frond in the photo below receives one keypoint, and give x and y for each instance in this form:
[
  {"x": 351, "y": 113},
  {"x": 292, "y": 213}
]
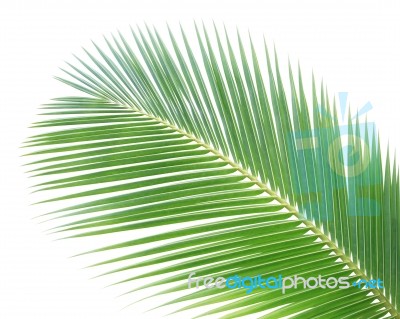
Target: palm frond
[{"x": 175, "y": 132}]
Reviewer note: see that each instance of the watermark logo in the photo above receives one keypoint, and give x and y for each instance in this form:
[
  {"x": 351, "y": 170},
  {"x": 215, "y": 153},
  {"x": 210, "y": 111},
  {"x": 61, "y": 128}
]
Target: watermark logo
[
  {"x": 250, "y": 283},
  {"x": 333, "y": 158}
]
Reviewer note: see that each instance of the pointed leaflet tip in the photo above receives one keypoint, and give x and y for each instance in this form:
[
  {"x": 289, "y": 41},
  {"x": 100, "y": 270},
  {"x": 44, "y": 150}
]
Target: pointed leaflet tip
[
  {"x": 343, "y": 103},
  {"x": 366, "y": 108}
]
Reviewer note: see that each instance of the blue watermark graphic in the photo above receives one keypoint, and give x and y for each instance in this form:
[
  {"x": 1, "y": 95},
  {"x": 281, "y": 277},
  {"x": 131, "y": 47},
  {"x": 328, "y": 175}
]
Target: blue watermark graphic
[{"x": 319, "y": 178}]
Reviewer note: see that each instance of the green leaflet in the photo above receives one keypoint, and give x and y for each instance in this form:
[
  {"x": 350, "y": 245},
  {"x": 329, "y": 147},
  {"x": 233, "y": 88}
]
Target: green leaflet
[{"x": 215, "y": 138}]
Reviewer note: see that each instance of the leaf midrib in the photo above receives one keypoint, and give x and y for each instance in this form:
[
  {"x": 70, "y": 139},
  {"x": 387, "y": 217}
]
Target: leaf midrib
[{"x": 347, "y": 260}]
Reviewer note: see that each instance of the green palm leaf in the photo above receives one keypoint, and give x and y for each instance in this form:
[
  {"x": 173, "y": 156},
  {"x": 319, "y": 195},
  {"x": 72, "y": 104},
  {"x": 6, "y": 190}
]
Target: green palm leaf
[{"x": 200, "y": 138}]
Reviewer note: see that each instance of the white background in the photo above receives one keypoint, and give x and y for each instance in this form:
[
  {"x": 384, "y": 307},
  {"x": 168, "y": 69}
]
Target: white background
[{"x": 354, "y": 45}]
